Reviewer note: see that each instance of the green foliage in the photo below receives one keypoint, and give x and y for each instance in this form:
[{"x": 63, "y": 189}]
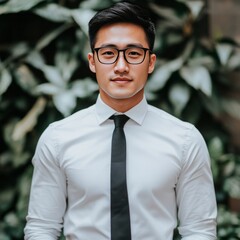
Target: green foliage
[{"x": 44, "y": 76}]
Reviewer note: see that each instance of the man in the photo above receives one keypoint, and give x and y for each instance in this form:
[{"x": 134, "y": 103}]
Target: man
[{"x": 168, "y": 174}]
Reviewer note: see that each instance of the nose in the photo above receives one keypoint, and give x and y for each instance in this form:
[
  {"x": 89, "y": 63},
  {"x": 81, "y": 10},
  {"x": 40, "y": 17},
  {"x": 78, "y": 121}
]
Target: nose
[{"x": 121, "y": 64}]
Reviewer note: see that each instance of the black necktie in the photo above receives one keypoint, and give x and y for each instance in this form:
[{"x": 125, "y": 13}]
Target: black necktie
[{"x": 120, "y": 217}]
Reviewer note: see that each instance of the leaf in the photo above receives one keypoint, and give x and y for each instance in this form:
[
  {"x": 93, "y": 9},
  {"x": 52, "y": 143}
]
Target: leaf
[
  {"x": 35, "y": 59},
  {"x": 13, "y": 6},
  {"x": 234, "y": 61},
  {"x": 179, "y": 95},
  {"x": 54, "y": 12},
  {"x": 206, "y": 61},
  {"x": 4, "y": 236},
  {"x": 48, "y": 89},
  {"x": 49, "y": 37},
  {"x": 67, "y": 63},
  {"x": 65, "y": 102},
  {"x": 198, "y": 77},
  {"x": 93, "y": 4},
  {"x": 167, "y": 13},
  {"x": 215, "y": 147},
  {"x": 54, "y": 76},
  {"x": 195, "y": 7},
  {"x": 231, "y": 106},
  {"x": 84, "y": 88},
  {"x": 161, "y": 75},
  {"x": 224, "y": 51},
  {"x": 29, "y": 121},
  {"x": 20, "y": 159},
  {"x": 17, "y": 50},
  {"x": 6, "y": 199},
  {"x": 82, "y": 17},
  {"x": 188, "y": 50},
  {"x": 5, "y": 80},
  {"x": 11, "y": 219},
  {"x": 25, "y": 78},
  {"x": 83, "y": 44}
]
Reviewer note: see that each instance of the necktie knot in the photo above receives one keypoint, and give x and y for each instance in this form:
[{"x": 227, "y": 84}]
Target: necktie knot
[{"x": 119, "y": 120}]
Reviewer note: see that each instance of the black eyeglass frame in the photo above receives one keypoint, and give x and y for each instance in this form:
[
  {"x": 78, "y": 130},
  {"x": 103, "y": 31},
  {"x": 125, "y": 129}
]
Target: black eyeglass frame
[{"x": 124, "y": 51}]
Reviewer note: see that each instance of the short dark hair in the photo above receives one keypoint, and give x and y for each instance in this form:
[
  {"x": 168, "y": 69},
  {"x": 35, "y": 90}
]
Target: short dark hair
[{"x": 122, "y": 12}]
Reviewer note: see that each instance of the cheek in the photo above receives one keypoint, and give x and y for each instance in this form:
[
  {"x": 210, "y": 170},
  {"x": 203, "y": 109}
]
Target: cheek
[{"x": 102, "y": 75}]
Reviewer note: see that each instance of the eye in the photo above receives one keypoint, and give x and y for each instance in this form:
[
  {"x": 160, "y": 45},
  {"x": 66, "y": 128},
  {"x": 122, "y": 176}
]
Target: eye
[
  {"x": 135, "y": 52},
  {"x": 107, "y": 52}
]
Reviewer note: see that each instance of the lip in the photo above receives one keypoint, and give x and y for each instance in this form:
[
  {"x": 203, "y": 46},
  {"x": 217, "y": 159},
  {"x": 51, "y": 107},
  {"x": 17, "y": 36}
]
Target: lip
[{"x": 121, "y": 80}]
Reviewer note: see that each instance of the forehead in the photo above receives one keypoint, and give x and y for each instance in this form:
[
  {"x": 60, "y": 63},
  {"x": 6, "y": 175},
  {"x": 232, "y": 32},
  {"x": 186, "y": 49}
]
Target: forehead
[{"x": 121, "y": 35}]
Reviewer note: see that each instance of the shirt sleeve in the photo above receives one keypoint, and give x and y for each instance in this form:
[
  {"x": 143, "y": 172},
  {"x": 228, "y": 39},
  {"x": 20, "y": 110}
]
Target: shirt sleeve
[
  {"x": 47, "y": 202},
  {"x": 195, "y": 193}
]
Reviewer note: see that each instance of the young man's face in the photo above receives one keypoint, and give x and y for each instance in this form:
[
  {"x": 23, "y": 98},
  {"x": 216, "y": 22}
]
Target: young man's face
[{"x": 121, "y": 82}]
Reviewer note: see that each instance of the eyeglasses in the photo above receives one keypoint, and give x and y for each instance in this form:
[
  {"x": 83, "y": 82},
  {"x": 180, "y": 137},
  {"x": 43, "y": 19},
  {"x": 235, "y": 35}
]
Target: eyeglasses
[{"x": 132, "y": 55}]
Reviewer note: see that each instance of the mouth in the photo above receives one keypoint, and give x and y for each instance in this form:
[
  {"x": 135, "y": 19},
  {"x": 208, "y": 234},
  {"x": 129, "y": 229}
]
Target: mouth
[{"x": 121, "y": 80}]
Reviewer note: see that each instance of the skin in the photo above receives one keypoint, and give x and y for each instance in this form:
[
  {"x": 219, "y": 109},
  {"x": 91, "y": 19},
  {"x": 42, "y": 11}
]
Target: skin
[{"x": 121, "y": 85}]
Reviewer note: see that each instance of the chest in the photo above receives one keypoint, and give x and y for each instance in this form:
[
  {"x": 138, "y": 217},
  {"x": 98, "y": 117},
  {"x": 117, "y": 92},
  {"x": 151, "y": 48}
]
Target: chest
[{"x": 153, "y": 164}]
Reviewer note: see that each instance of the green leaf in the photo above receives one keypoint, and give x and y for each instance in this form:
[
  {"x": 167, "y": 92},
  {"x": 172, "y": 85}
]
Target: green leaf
[
  {"x": 49, "y": 37},
  {"x": 65, "y": 102},
  {"x": 196, "y": 7},
  {"x": 95, "y": 4},
  {"x": 162, "y": 74},
  {"x": 20, "y": 159},
  {"x": 232, "y": 186},
  {"x": 224, "y": 51},
  {"x": 3, "y": 236},
  {"x": 206, "y": 61},
  {"x": 84, "y": 88},
  {"x": 5, "y": 80},
  {"x": 19, "y": 49},
  {"x": 83, "y": 44},
  {"x": 215, "y": 147},
  {"x": 82, "y": 17},
  {"x": 231, "y": 106},
  {"x": 35, "y": 59},
  {"x": 53, "y": 75},
  {"x": 11, "y": 219},
  {"x": 167, "y": 13},
  {"x": 67, "y": 63},
  {"x": 179, "y": 95},
  {"x": 48, "y": 89},
  {"x": 54, "y": 12},
  {"x": 198, "y": 77},
  {"x": 6, "y": 199},
  {"x": 13, "y": 6},
  {"x": 234, "y": 61}
]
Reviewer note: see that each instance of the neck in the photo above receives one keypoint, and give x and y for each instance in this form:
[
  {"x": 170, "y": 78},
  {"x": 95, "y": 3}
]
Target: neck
[{"x": 122, "y": 105}]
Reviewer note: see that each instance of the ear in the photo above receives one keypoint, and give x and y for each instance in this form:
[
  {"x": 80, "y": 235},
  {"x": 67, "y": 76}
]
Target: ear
[
  {"x": 91, "y": 62},
  {"x": 152, "y": 62}
]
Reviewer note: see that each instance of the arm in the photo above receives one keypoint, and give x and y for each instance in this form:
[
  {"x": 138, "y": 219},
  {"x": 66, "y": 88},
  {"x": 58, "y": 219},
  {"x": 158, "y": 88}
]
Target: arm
[
  {"x": 47, "y": 202},
  {"x": 195, "y": 191}
]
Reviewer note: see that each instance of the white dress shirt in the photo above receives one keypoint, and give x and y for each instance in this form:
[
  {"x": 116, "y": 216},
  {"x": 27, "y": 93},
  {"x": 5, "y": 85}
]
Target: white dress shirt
[{"x": 168, "y": 177}]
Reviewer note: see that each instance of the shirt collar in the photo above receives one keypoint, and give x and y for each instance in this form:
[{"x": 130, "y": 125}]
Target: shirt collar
[{"x": 137, "y": 113}]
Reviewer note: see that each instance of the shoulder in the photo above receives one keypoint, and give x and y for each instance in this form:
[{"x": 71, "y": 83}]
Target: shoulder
[
  {"x": 167, "y": 120},
  {"x": 66, "y": 127},
  {"x": 180, "y": 132},
  {"x": 74, "y": 119}
]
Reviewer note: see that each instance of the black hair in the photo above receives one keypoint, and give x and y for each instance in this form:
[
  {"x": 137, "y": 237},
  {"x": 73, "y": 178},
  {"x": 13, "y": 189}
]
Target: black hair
[{"x": 122, "y": 12}]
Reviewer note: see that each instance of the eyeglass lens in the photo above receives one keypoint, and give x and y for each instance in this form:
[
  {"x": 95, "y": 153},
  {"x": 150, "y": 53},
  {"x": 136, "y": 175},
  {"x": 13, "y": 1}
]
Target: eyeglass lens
[{"x": 133, "y": 55}]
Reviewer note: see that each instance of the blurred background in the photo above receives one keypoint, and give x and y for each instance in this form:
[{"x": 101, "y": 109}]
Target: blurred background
[{"x": 44, "y": 77}]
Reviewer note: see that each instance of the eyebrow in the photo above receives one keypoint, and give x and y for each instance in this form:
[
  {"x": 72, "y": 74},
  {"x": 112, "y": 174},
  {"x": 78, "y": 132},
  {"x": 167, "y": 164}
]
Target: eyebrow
[{"x": 128, "y": 45}]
